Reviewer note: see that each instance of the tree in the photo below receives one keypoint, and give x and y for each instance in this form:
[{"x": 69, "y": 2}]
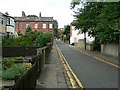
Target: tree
[
  {"x": 109, "y": 23},
  {"x": 55, "y": 25},
  {"x": 67, "y": 32},
  {"x": 29, "y": 31},
  {"x": 100, "y": 20},
  {"x": 56, "y": 34}
]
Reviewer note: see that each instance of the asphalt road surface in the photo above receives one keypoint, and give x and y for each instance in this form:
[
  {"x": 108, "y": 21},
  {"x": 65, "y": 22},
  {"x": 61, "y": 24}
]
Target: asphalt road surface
[{"x": 92, "y": 73}]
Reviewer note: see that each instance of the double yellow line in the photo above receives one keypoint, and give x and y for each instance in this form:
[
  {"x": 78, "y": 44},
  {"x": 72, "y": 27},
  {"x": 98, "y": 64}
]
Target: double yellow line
[
  {"x": 96, "y": 58},
  {"x": 73, "y": 78}
]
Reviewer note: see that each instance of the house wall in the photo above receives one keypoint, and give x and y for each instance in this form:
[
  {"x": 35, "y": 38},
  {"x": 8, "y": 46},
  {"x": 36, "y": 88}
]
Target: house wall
[
  {"x": 32, "y": 24},
  {"x": 10, "y": 29},
  {"x": 110, "y": 49},
  {"x": 2, "y": 26},
  {"x": 39, "y": 26},
  {"x": 16, "y": 27}
]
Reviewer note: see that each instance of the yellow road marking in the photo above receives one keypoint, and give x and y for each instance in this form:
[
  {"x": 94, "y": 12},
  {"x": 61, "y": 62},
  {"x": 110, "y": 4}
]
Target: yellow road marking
[
  {"x": 78, "y": 81},
  {"x": 68, "y": 73},
  {"x": 107, "y": 62},
  {"x": 67, "y": 65}
]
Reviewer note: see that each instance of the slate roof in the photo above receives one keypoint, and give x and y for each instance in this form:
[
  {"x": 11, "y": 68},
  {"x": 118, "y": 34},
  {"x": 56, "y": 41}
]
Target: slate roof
[
  {"x": 2, "y": 14},
  {"x": 34, "y": 18}
]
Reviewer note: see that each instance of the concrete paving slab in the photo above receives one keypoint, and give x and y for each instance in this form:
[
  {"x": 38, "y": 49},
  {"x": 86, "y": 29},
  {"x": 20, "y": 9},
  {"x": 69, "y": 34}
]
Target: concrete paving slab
[{"x": 53, "y": 75}]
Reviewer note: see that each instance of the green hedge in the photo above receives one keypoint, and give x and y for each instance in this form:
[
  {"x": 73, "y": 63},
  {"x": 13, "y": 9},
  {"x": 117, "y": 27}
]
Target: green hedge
[{"x": 30, "y": 39}]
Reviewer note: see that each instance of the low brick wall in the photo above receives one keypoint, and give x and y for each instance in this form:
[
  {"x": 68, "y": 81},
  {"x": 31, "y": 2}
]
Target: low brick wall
[{"x": 110, "y": 49}]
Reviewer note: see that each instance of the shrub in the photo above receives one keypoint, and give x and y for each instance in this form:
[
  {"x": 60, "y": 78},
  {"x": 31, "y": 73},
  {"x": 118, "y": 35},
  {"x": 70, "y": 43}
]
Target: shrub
[
  {"x": 43, "y": 38},
  {"x": 96, "y": 45},
  {"x": 16, "y": 69},
  {"x": 8, "y": 62},
  {"x": 8, "y": 41},
  {"x": 30, "y": 39}
]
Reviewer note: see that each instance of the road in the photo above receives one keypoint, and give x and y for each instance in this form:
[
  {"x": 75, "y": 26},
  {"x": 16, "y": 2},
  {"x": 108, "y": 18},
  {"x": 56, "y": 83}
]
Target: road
[{"x": 92, "y": 73}]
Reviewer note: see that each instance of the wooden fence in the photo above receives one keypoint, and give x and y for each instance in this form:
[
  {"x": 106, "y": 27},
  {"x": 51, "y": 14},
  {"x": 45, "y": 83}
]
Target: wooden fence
[{"x": 28, "y": 80}]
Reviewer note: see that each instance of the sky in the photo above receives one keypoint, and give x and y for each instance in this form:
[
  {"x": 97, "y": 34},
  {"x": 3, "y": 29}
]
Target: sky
[{"x": 58, "y": 9}]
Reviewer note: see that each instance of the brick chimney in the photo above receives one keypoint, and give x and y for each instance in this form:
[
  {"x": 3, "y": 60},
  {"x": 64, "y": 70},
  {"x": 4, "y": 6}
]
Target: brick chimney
[
  {"x": 40, "y": 15},
  {"x": 23, "y": 14}
]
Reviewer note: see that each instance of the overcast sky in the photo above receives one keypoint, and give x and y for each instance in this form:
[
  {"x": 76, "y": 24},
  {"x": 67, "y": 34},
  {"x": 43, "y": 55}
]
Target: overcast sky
[{"x": 58, "y": 9}]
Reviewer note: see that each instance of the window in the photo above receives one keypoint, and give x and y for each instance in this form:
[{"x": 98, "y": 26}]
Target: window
[
  {"x": 36, "y": 25},
  {"x": 50, "y": 25},
  {"x": 20, "y": 25},
  {"x": 2, "y": 21},
  {"x": 11, "y": 22},
  {"x": 44, "y": 25},
  {"x": 27, "y": 24},
  {"x": 8, "y": 21}
]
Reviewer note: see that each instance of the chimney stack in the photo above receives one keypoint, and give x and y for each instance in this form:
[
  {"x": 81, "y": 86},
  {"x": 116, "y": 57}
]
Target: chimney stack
[
  {"x": 6, "y": 13},
  {"x": 40, "y": 15},
  {"x": 23, "y": 14}
]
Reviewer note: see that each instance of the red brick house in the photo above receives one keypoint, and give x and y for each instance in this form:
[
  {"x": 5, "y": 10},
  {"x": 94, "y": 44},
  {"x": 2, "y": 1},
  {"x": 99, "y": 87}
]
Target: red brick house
[{"x": 35, "y": 22}]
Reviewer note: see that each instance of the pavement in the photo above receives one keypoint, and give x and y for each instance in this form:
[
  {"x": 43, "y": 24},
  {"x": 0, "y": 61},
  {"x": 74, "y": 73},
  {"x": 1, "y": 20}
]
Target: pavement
[{"x": 53, "y": 74}]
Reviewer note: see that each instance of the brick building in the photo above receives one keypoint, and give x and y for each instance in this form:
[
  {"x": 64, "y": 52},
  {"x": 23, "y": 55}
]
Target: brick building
[{"x": 35, "y": 22}]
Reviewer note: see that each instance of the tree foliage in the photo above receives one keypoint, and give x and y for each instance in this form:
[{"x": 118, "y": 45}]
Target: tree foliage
[
  {"x": 56, "y": 34},
  {"x": 55, "y": 25},
  {"x": 67, "y": 30},
  {"x": 101, "y": 20}
]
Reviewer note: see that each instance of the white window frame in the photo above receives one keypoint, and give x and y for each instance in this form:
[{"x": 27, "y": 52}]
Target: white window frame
[
  {"x": 27, "y": 24},
  {"x": 36, "y": 25},
  {"x": 44, "y": 25},
  {"x": 20, "y": 25},
  {"x": 50, "y": 25}
]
